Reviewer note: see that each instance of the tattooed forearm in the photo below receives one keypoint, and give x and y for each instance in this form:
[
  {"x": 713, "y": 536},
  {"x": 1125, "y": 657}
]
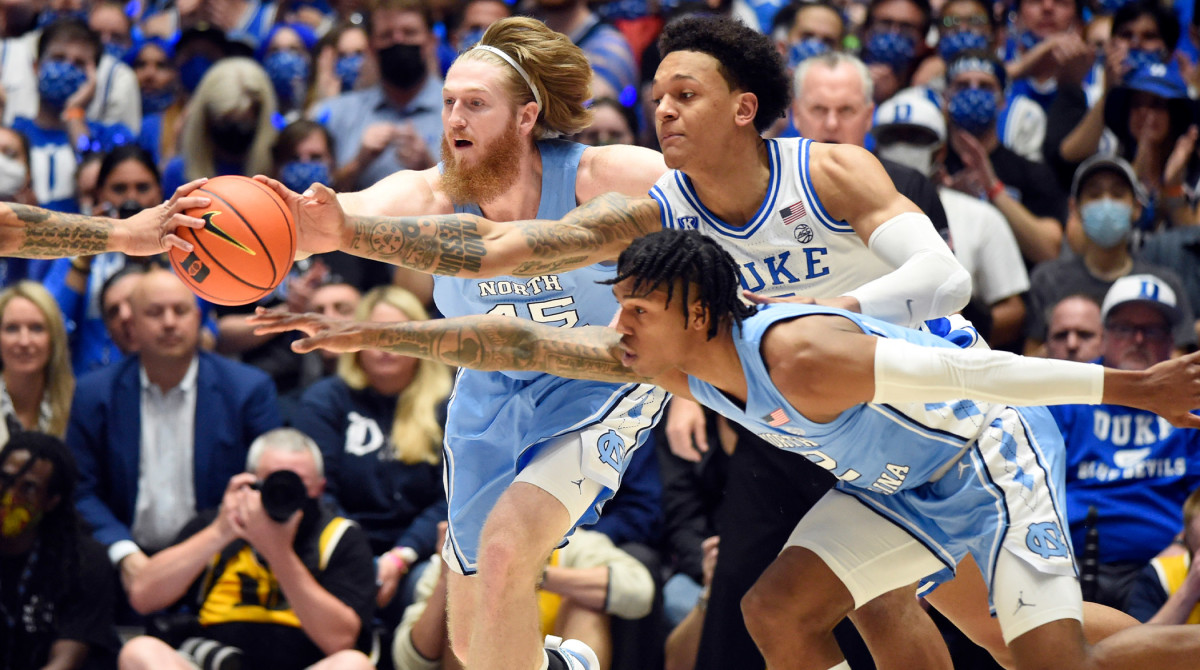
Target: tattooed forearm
[
  {"x": 466, "y": 245},
  {"x": 610, "y": 221},
  {"x": 502, "y": 343},
  {"x": 32, "y": 232},
  {"x": 447, "y": 245}
]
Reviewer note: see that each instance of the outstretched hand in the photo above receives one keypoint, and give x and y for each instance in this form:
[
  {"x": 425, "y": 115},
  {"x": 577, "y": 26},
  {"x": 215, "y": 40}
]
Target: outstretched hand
[
  {"x": 1172, "y": 390},
  {"x": 319, "y": 217},
  {"x": 322, "y": 332},
  {"x": 152, "y": 230}
]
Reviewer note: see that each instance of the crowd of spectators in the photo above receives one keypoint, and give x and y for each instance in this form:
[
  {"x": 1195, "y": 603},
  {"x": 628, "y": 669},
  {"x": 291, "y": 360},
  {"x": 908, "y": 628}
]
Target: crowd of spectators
[{"x": 1053, "y": 143}]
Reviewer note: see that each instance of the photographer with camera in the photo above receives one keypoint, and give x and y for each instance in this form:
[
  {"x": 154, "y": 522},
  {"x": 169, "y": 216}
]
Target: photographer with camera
[{"x": 278, "y": 580}]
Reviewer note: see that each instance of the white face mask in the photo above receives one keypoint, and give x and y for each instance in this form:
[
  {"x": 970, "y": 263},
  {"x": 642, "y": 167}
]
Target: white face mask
[
  {"x": 916, "y": 156},
  {"x": 12, "y": 177}
]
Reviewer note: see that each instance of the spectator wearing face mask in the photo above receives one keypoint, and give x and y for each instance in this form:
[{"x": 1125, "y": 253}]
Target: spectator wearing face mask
[
  {"x": 1107, "y": 197},
  {"x": 162, "y": 104},
  {"x": 1142, "y": 34},
  {"x": 68, "y": 54},
  {"x": 964, "y": 25},
  {"x": 396, "y": 125},
  {"x": 343, "y": 62},
  {"x": 229, "y": 127},
  {"x": 894, "y": 43},
  {"x": 127, "y": 183},
  {"x": 980, "y": 165},
  {"x": 117, "y": 98},
  {"x": 910, "y": 129},
  {"x": 287, "y": 57}
]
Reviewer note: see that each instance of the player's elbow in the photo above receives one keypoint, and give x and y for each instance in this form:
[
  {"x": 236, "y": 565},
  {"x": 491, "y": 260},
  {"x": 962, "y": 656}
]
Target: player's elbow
[{"x": 954, "y": 292}]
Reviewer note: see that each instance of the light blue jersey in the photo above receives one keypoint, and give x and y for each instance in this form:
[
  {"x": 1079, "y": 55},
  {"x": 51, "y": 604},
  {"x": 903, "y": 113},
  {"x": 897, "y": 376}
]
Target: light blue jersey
[
  {"x": 498, "y": 421},
  {"x": 961, "y": 476}
]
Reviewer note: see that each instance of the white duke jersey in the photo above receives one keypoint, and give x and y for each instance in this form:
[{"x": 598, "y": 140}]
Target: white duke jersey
[{"x": 791, "y": 246}]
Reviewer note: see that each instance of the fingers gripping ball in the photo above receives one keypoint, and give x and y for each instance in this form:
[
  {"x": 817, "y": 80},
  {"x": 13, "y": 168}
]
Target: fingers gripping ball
[{"x": 246, "y": 246}]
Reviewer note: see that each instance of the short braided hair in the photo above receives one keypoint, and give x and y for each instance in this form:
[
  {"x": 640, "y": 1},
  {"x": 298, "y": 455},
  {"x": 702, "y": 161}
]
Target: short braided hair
[{"x": 665, "y": 257}]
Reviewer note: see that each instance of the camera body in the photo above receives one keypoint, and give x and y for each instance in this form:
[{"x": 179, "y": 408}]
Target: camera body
[{"x": 283, "y": 492}]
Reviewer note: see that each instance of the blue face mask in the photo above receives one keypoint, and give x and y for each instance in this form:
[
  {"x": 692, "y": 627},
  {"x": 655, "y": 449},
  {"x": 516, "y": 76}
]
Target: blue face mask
[
  {"x": 58, "y": 80},
  {"x": 347, "y": 69},
  {"x": 115, "y": 50},
  {"x": 955, "y": 43},
  {"x": 299, "y": 175},
  {"x": 288, "y": 72},
  {"x": 156, "y": 102},
  {"x": 192, "y": 70},
  {"x": 805, "y": 49},
  {"x": 1107, "y": 222},
  {"x": 973, "y": 110},
  {"x": 1141, "y": 58},
  {"x": 894, "y": 49}
]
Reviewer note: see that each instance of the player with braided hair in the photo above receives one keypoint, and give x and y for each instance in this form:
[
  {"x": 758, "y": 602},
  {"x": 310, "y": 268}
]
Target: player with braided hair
[
  {"x": 956, "y": 477},
  {"x": 57, "y": 607},
  {"x": 801, "y": 219}
]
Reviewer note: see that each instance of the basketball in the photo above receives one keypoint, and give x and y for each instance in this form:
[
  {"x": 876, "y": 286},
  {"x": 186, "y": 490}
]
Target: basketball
[{"x": 246, "y": 246}]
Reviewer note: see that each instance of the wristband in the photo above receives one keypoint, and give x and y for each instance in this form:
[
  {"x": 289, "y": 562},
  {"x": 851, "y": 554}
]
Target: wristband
[
  {"x": 996, "y": 189},
  {"x": 396, "y": 560},
  {"x": 74, "y": 114}
]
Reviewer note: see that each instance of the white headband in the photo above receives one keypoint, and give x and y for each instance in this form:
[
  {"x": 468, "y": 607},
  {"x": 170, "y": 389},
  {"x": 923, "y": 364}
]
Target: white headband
[{"x": 520, "y": 70}]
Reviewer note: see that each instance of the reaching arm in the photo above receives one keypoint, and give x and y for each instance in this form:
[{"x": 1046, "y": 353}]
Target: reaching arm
[
  {"x": 465, "y": 245},
  {"x": 33, "y": 232},
  {"x": 484, "y": 342},
  {"x": 825, "y": 365}
]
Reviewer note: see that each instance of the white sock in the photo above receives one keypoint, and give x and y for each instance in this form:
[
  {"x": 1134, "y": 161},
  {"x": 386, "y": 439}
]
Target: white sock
[
  {"x": 844, "y": 665},
  {"x": 546, "y": 660}
]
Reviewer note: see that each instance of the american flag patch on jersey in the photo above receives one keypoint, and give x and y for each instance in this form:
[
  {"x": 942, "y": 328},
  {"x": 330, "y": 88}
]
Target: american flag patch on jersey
[
  {"x": 793, "y": 213},
  {"x": 776, "y": 418}
]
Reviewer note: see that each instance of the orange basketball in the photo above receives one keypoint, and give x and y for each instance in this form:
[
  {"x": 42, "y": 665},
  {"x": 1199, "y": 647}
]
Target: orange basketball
[{"x": 246, "y": 246}]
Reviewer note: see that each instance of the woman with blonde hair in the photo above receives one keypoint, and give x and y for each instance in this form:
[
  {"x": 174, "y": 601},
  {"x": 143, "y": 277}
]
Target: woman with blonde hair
[
  {"x": 36, "y": 382},
  {"x": 379, "y": 425},
  {"x": 229, "y": 128}
]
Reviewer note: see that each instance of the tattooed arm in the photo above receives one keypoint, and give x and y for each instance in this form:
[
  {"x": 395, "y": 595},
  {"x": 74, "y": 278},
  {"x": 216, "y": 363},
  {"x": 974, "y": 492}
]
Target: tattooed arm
[
  {"x": 33, "y": 232},
  {"x": 486, "y": 342},
  {"x": 465, "y": 245}
]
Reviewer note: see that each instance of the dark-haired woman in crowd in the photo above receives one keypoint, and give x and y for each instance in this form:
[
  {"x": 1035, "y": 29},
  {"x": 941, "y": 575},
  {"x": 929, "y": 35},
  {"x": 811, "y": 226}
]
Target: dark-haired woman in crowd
[{"x": 127, "y": 183}]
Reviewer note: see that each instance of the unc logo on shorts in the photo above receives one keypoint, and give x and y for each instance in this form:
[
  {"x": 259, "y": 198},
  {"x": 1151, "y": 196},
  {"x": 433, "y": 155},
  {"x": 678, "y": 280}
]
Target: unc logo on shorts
[
  {"x": 689, "y": 222},
  {"x": 611, "y": 447},
  {"x": 803, "y": 233},
  {"x": 1046, "y": 540}
]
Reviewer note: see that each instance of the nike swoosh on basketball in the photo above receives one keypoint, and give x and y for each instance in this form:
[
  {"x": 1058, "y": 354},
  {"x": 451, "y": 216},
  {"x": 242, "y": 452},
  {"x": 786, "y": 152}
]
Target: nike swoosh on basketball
[{"x": 221, "y": 234}]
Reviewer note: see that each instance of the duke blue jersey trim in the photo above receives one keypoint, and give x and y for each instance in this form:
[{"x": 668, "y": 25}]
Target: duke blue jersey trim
[
  {"x": 664, "y": 206},
  {"x": 811, "y": 193},
  {"x": 765, "y": 210}
]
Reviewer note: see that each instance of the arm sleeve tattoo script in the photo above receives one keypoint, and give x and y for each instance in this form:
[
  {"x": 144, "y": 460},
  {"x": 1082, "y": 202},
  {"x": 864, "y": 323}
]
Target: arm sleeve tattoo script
[
  {"x": 502, "y": 343},
  {"x": 467, "y": 245},
  {"x": 32, "y": 232}
]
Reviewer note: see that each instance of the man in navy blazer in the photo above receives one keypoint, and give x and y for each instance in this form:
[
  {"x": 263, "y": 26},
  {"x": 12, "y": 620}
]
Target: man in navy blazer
[{"x": 158, "y": 435}]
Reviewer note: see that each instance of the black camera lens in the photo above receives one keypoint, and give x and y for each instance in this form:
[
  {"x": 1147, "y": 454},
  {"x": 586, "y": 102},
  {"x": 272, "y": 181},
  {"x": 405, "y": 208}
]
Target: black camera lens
[{"x": 283, "y": 493}]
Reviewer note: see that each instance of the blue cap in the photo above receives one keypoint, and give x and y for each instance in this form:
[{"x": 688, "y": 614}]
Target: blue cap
[{"x": 1159, "y": 79}]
